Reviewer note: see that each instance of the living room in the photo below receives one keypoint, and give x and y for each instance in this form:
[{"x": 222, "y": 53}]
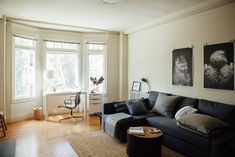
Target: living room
[{"x": 135, "y": 39}]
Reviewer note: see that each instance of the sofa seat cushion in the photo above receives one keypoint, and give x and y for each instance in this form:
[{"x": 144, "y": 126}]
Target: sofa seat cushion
[
  {"x": 112, "y": 120},
  {"x": 123, "y": 125},
  {"x": 169, "y": 127}
]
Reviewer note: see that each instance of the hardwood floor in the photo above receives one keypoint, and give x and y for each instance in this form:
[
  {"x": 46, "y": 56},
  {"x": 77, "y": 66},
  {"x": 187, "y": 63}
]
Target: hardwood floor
[{"x": 48, "y": 138}]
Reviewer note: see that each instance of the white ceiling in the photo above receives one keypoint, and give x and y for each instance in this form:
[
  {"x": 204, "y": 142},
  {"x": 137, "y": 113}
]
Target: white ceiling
[{"x": 94, "y": 13}]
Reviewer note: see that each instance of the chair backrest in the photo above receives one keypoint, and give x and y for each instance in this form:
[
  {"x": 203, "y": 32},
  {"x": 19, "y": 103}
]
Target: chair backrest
[{"x": 77, "y": 99}]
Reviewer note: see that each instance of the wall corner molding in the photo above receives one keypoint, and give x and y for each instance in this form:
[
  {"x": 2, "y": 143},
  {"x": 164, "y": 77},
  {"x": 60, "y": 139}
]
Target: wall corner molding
[{"x": 201, "y": 7}]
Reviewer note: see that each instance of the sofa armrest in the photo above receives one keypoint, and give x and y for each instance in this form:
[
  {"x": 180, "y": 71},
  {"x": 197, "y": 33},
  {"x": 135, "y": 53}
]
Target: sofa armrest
[
  {"x": 223, "y": 144},
  {"x": 108, "y": 108}
]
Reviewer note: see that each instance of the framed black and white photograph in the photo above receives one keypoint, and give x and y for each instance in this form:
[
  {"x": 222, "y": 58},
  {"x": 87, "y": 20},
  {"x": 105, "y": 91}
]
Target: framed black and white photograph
[
  {"x": 182, "y": 67},
  {"x": 136, "y": 86},
  {"x": 219, "y": 66}
]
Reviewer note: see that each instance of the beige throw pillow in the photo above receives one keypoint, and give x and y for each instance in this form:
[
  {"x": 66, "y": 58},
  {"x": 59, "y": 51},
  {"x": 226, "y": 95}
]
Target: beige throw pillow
[{"x": 201, "y": 124}]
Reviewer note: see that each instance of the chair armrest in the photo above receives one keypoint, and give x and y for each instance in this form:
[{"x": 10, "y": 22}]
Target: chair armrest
[
  {"x": 108, "y": 108},
  {"x": 72, "y": 97},
  {"x": 67, "y": 101}
]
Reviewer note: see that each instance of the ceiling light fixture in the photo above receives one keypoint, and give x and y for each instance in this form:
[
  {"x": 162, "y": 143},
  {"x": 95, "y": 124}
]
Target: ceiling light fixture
[{"x": 111, "y": 1}]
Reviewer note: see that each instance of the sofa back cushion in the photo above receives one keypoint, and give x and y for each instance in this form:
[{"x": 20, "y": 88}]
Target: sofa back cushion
[
  {"x": 221, "y": 111},
  {"x": 185, "y": 101},
  {"x": 152, "y": 99}
]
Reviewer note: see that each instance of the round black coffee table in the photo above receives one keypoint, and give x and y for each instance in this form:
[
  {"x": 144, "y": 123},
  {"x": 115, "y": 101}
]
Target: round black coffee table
[{"x": 148, "y": 145}]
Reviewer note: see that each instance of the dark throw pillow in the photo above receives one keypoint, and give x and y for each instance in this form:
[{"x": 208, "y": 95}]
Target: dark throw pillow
[
  {"x": 136, "y": 107},
  {"x": 120, "y": 106},
  {"x": 201, "y": 124},
  {"x": 152, "y": 99},
  {"x": 165, "y": 104}
]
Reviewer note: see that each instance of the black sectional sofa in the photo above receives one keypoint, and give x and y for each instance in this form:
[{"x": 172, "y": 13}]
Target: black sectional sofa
[{"x": 186, "y": 142}]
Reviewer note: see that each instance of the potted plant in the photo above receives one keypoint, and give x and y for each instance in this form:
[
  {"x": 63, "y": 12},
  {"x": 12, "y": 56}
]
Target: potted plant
[{"x": 96, "y": 83}]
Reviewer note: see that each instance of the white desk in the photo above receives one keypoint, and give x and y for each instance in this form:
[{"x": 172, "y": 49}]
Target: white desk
[{"x": 46, "y": 95}]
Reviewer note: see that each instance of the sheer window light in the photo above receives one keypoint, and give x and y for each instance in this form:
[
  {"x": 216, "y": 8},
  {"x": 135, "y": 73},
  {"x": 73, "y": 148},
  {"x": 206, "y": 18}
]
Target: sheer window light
[
  {"x": 24, "y": 67},
  {"x": 63, "y": 59},
  {"x": 97, "y": 64}
]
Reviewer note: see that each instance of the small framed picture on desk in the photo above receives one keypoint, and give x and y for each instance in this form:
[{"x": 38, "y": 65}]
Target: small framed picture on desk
[{"x": 136, "y": 86}]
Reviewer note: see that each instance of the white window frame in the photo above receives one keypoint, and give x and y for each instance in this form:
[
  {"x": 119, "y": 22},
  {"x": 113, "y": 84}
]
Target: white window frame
[
  {"x": 96, "y": 52},
  {"x": 77, "y": 52},
  {"x": 14, "y": 46}
]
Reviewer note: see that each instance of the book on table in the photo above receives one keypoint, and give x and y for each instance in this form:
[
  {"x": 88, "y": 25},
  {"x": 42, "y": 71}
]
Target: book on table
[{"x": 136, "y": 130}]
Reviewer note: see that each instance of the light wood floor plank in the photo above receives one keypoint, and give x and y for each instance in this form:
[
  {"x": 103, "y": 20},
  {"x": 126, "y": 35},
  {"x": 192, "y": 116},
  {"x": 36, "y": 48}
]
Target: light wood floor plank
[{"x": 47, "y": 138}]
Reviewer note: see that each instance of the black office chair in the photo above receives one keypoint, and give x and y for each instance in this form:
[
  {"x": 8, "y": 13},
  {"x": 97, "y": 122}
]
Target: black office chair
[{"x": 71, "y": 103}]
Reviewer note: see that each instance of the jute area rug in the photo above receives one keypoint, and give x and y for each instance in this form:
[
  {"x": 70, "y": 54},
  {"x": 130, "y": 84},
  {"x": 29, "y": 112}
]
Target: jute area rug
[{"x": 99, "y": 144}]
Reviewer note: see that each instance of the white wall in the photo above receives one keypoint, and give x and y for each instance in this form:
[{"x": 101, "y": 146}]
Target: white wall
[{"x": 150, "y": 51}]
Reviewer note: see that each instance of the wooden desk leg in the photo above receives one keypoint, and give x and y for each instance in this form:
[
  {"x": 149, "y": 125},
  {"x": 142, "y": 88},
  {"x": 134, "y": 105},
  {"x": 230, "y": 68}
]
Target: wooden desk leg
[
  {"x": 85, "y": 105},
  {"x": 4, "y": 122},
  {"x": 2, "y": 125}
]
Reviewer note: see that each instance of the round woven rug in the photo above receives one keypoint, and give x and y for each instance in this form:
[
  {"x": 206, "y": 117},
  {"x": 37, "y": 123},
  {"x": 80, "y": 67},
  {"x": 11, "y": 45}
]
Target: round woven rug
[{"x": 97, "y": 144}]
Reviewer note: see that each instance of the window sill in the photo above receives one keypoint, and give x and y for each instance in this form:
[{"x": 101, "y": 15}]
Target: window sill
[{"x": 20, "y": 100}]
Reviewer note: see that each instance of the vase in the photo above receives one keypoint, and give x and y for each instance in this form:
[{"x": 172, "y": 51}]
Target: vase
[{"x": 95, "y": 89}]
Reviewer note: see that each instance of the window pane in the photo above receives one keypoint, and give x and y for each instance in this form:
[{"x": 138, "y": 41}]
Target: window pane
[
  {"x": 62, "y": 45},
  {"x": 96, "y": 69},
  {"x": 24, "y": 73},
  {"x": 24, "y": 41},
  {"x": 65, "y": 67},
  {"x": 96, "y": 46},
  {"x": 57, "y": 45},
  {"x": 101, "y": 47},
  {"x": 90, "y": 47},
  {"x": 50, "y": 44}
]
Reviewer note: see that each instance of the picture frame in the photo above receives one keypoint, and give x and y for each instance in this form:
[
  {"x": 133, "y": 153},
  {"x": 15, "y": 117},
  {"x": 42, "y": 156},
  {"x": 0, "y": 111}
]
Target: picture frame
[
  {"x": 218, "y": 66},
  {"x": 182, "y": 67},
  {"x": 136, "y": 86}
]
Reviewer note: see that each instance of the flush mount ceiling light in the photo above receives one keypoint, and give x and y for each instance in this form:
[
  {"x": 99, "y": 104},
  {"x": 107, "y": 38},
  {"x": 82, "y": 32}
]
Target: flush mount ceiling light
[{"x": 111, "y": 1}]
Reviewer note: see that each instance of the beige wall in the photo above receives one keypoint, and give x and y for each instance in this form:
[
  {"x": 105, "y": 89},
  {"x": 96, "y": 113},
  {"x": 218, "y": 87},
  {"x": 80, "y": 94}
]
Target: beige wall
[
  {"x": 123, "y": 67},
  {"x": 20, "y": 110},
  {"x": 1, "y": 66},
  {"x": 113, "y": 67},
  {"x": 150, "y": 51}
]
